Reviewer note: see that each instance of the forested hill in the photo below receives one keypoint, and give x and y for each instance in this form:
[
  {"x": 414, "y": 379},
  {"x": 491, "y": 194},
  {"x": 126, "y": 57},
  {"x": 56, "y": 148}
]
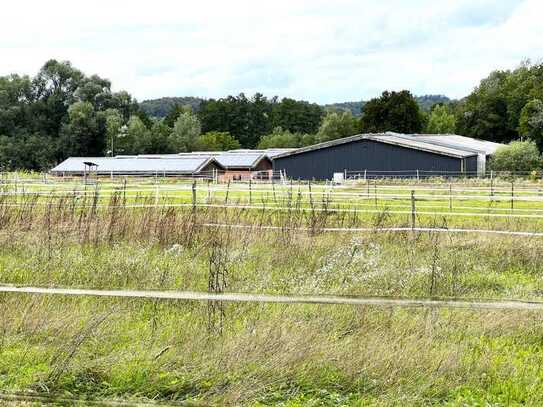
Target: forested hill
[
  {"x": 425, "y": 102},
  {"x": 162, "y": 106}
]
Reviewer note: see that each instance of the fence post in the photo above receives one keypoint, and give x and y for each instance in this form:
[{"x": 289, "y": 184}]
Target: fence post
[
  {"x": 418, "y": 178},
  {"x": 208, "y": 190},
  {"x": 491, "y": 183},
  {"x": 227, "y": 192},
  {"x": 194, "y": 195},
  {"x": 365, "y": 171},
  {"x": 413, "y": 210},
  {"x": 250, "y": 193},
  {"x": 450, "y": 197},
  {"x": 156, "y": 194},
  {"x": 375, "y": 191},
  {"x": 512, "y": 194}
]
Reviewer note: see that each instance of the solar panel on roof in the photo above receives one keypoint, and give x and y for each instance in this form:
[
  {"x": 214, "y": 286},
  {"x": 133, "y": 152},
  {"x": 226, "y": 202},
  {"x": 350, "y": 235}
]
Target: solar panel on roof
[{"x": 133, "y": 165}]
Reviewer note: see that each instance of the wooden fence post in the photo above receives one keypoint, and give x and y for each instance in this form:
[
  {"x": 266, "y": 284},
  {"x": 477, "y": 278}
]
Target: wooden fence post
[
  {"x": 227, "y": 192},
  {"x": 512, "y": 195},
  {"x": 250, "y": 193},
  {"x": 491, "y": 183}
]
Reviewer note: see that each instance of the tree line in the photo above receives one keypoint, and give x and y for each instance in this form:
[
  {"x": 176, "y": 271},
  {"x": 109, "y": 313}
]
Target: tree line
[{"x": 61, "y": 112}]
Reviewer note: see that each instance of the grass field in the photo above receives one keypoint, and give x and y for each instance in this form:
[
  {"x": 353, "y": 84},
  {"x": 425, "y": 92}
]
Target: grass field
[{"x": 129, "y": 236}]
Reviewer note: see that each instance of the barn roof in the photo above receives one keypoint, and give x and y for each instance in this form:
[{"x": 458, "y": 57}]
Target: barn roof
[
  {"x": 449, "y": 144},
  {"x": 240, "y": 159},
  {"x": 180, "y": 165}
]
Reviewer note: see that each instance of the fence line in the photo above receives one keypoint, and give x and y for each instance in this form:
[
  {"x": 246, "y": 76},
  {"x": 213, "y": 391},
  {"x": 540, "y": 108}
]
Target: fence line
[
  {"x": 283, "y": 299},
  {"x": 376, "y": 230},
  {"x": 291, "y": 209}
]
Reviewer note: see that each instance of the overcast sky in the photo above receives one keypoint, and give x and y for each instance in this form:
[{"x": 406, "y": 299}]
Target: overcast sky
[{"x": 318, "y": 50}]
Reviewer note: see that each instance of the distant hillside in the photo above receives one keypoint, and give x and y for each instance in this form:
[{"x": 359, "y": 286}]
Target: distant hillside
[
  {"x": 161, "y": 107},
  {"x": 425, "y": 102}
]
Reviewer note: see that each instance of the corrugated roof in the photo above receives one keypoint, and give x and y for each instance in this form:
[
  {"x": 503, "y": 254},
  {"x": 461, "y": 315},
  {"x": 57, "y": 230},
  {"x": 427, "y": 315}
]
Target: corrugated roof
[
  {"x": 107, "y": 165},
  {"x": 450, "y": 145},
  {"x": 240, "y": 160},
  {"x": 456, "y": 141}
]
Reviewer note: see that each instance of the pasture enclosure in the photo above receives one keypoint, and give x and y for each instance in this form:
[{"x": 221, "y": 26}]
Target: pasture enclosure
[{"x": 374, "y": 292}]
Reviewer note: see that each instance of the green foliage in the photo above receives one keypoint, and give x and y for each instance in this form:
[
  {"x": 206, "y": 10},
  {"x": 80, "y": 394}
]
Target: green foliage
[
  {"x": 26, "y": 151},
  {"x": 441, "y": 121},
  {"x": 160, "y": 108},
  {"x": 337, "y": 125},
  {"x": 280, "y": 138},
  {"x": 217, "y": 141},
  {"x": 521, "y": 156},
  {"x": 531, "y": 122},
  {"x": 185, "y": 133},
  {"x": 393, "y": 111},
  {"x": 425, "y": 102},
  {"x": 59, "y": 112},
  {"x": 493, "y": 110},
  {"x": 248, "y": 120},
  {"x": 160, "y": 139},
  {"x": 114, "y": 122}
]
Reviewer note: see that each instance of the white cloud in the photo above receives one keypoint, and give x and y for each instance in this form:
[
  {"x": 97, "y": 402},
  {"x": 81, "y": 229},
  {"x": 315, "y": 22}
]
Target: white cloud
[{"x": 313, "y": 49}]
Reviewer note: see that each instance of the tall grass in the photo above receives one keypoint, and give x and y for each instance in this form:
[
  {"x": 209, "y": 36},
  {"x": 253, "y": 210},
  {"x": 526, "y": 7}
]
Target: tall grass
[{"x": 258, "y": 354}]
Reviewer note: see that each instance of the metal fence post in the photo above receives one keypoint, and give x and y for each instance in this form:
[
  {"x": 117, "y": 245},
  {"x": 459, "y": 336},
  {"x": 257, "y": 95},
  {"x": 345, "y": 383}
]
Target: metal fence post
[
  {"x": 193, "y": 195},
  {"x": 413, "y": 210},
  {"x": 375, "y": 192},
  {"x": 450, "y": 197}
]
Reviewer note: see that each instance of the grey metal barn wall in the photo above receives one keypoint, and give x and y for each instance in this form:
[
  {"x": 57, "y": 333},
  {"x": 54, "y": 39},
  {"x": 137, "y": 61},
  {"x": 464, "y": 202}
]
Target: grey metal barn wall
[{"x": 368, "y": 155}]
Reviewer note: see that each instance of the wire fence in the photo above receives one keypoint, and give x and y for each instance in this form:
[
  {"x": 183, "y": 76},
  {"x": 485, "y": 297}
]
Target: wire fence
[{"x": 283, "y": 298}]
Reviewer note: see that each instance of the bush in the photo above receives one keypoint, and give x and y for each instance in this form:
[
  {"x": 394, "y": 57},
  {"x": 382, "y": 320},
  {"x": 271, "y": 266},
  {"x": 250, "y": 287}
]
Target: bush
[{"x": 519, "y": 156}]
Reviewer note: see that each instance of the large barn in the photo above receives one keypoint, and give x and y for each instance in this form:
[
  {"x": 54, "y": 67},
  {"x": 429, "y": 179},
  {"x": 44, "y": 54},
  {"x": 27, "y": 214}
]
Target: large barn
[
  {"x": 388, "y": 154},
  {"x": 139, "y": 166},
  {"x": 221, "y": 165}
]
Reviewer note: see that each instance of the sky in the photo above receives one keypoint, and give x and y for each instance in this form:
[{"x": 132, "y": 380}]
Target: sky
[{"x": 316, "y": 50}]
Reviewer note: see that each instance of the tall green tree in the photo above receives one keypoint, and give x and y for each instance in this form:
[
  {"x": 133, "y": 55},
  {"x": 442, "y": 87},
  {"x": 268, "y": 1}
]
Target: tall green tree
[
  {"x": 531, "y": 122},
  {"x": 81, "y": 135},
  {"x": 185, "y": 133},
  {"x": 441, "y": 121},
  {"x": 392, "y": 111},
  {"x": 493, "y": 110},
  {"x": 113, "y": 122},
  {"x": 337, "y": 125}
]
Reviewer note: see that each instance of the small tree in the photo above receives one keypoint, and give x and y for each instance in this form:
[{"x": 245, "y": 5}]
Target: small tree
[
  {"x": 279, "y": 138},
  {"x": 519, "y": 156},
  {"x": 217, "y": 141}
]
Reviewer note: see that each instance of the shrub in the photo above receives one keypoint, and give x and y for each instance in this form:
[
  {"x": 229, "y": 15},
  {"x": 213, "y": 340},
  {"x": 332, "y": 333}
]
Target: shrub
[{"x": 520, "y": 156}]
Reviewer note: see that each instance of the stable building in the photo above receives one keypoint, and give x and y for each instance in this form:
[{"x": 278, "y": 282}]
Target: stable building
[
  {"x": 205, "y": 167},
  {"x": 388, "y": 155}
]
